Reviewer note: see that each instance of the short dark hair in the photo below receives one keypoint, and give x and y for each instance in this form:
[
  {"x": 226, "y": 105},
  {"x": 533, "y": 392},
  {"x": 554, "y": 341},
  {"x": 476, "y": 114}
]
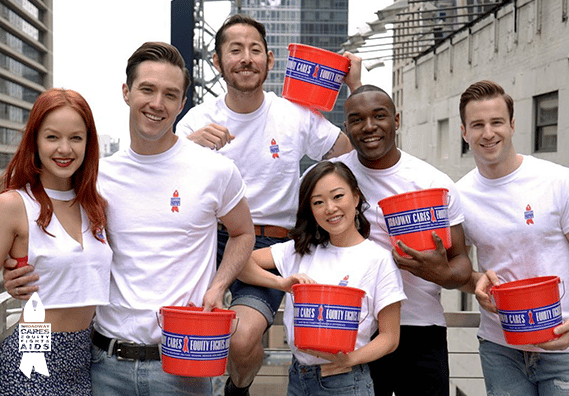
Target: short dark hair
[
  {"x": 158, "y": 52},
  {"x": 373, "y": 88},
  {"x": 484, "y": 89},
  {"x": 304, "y": 231},
  {"x": 238, "y": 19}
]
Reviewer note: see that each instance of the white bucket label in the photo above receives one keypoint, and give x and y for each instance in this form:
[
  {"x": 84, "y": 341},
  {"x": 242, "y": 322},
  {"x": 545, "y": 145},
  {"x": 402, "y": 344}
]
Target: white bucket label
[
  {"x": 314, "y": 73},
  {"x": 534, "y": 319},
  {"x": 417, "y": 220},
  {"x": 339, "y": 317},
  {"x": 192, "y": 347}
]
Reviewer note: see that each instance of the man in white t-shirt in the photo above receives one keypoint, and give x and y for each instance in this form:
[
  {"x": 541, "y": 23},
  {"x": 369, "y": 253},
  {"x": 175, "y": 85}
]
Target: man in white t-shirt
[
  {"x": 516, "y": 210},
  {"x": 166, "y": 196},
  {"x": 382, "y": 170},
  {"x": 265, "y": 136}
]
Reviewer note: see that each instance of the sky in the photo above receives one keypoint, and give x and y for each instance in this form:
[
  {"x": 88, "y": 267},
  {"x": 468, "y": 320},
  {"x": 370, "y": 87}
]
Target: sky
[{"x": 93, "y": 40}]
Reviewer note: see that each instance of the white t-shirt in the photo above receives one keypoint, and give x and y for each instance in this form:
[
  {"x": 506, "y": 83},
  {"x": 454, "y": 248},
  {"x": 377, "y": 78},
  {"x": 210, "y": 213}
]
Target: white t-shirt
[
  {"x": 423, "y": 307},
  {"x": 518, "y": 224},
  {"x": 162, "y": 227},
  {"x": 267, "y": 148},
  {"x": 367, "y": 266}
]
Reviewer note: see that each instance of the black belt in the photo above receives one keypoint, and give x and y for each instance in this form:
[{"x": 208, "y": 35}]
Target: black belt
[{"x": 126, "y": 350}]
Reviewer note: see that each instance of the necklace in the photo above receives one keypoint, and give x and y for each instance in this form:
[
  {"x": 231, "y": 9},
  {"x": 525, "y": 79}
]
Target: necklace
[{"x": 60, "y": 195}]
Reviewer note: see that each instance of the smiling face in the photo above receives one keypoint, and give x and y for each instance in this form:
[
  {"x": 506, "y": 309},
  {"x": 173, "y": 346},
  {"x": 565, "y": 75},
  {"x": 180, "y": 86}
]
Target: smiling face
[
  {"x": 371, "y": 124},
  {"x": 488, "y": 131},
  {"x": 244, "y": 62},
  {"x": 155, "y": 99},
  {"x": 61, "y": 141},
  {"x": 333, "y": 205}
]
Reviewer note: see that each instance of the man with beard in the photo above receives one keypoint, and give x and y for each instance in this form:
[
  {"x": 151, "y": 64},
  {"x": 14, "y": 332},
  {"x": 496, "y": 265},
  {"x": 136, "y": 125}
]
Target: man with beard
[
  {"x": 382, "y": 170},
  {"x": 265, "y": 136}
]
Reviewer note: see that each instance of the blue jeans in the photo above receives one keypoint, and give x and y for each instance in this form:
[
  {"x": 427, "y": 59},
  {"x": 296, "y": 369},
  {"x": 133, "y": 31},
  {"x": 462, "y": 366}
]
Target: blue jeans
[
  {"x": 306, "y": 380},
  {"x": 511, "y": 372},
  {"x": 264, "y": 300},
  {"x": 113, "y": 377}
]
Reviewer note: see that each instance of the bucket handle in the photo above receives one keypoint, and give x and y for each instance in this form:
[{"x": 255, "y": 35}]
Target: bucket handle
[
  {"x": 562, "y": 294},
  {"x": 380, "y": 218},
  {"x": 159, "y": 320}
]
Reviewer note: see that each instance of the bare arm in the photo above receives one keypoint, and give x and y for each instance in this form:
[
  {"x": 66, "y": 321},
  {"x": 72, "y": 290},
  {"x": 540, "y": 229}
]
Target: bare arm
[
  {"x": 237, "y": 250},
  {"x": 256, "y": 272},
  {"x": 354, "y": 77},
  {"x": 14, "y": 242},
  {"x": 341, "y": 146},
  {"x": 450, "y": 268}
]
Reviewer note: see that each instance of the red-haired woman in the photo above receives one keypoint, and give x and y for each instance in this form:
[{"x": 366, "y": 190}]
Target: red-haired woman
[{"x": 52, "y": 215}]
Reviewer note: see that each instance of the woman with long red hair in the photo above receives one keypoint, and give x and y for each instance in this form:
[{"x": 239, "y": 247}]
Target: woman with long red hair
[{"x": 51, "y": 217}]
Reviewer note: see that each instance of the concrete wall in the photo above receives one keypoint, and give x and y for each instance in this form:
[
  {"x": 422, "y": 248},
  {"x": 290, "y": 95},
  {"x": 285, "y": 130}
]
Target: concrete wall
[{"x": 524, "y": 49}]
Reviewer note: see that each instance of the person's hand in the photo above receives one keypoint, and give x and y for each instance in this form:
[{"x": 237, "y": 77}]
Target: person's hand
[
  {"x": 560, "y": 343},
  {"x": 354, "y": 77},
  {"x": 289, "y": 281},
  {"x": 339, "y": 362},
  {"x": 482, "y": 291},
  {"x": 432, "y": 266},
  {"x": 213, "y": 298},
  {"x": 17, "y": 280},
  {"x": 213, "y": 136}
]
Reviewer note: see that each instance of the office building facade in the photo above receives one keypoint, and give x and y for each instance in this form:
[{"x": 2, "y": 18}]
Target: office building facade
[{"x": 26, "y": 66}]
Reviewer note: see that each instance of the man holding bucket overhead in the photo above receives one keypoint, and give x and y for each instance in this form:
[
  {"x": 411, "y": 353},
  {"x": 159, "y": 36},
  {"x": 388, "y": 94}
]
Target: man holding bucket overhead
[
  {"x": 516, "y": 210},
  {"x": 265, "y": 136},
  {"x": 165, "y": 197},
  {"x": 382, "y": 170}
]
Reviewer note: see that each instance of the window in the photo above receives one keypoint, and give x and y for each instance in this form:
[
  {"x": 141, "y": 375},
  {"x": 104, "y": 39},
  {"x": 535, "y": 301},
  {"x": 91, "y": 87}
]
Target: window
[
  {"x": 443, "y": 139},
  {"x": 546, "y": 109}
]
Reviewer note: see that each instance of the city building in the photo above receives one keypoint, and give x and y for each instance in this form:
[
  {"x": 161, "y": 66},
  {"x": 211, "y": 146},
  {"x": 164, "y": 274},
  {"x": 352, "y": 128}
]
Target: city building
[{"x": 26, "y": 66}]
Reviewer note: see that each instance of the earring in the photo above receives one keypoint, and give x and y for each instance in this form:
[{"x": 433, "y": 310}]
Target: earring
[
  {"x": 317, "y": 233},
  {"x": 357, "y": 221}
]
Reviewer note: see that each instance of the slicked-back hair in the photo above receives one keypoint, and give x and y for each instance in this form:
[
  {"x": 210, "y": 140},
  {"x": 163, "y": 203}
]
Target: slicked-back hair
[
  {"x": 158, "y": 52},
  {"x": 483, "y": 90}
]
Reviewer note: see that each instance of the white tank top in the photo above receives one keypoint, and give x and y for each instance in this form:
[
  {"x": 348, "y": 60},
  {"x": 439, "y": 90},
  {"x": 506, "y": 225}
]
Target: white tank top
[{"x": 71, "y": 274}]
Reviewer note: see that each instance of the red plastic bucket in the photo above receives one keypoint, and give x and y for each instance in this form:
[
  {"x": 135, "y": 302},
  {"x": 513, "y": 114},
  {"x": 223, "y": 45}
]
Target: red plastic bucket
[
  {"x": 195, "y": 343},
  {"x": 314, "y": 76},
  {"x": 529, "y": 309},
  {"x": 412, "y": 217},
  {"x": 326, "y": 317}
]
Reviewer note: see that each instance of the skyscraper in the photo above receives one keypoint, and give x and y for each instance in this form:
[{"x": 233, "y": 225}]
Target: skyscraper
[{"x": 26, "y": 66}]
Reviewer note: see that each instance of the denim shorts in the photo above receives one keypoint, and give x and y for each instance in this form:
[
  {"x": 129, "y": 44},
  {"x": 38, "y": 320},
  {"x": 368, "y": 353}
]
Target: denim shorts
[
  {"x": 306, "y": 380},
  {"x": 509, "y": 371},
  {"x": 266, "y": 301}
]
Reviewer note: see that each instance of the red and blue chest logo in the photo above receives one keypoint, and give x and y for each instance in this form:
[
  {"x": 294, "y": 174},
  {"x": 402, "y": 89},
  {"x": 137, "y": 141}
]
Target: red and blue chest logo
[
  {"x": 528, "y": 215},
  {"x": 175, "y": 202},
  {"x": 274, "y": 148}
]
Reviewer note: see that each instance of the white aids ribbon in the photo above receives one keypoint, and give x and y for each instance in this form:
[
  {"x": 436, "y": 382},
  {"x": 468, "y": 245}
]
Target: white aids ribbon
[{"x": 35, "y": 338}]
